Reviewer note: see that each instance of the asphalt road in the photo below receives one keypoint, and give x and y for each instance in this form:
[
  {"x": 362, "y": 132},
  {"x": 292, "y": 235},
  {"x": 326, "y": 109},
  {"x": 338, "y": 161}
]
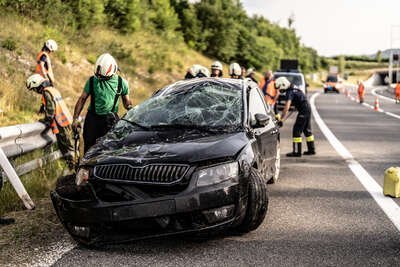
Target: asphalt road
[{"x": 319, "y": 213}]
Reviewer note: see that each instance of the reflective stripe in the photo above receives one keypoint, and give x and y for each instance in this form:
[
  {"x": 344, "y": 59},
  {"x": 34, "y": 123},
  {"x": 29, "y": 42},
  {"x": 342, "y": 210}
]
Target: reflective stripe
[
  {"x": 38, "y": 67},
  {"x": 62, "y": 115},
  {"x": 310, "y": 138},
  {"x": 297, "y": 139}
]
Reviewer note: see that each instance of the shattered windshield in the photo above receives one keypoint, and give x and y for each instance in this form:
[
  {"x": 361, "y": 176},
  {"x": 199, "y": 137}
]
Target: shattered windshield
[{"x": 202, "y": 104}]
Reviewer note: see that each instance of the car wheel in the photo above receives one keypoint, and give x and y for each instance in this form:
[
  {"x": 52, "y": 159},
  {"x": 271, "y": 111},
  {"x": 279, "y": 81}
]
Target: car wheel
[
  {"x": 277, "y": 165},
  {"x": 257, "y": 203}
]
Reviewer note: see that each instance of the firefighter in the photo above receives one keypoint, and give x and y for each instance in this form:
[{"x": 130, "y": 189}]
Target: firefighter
[
  {"x": 303, "y": 121},
  {"x": 397, "y": 93},
  {"x": 251, "y": 74},
  {"x": 43, "y": 62},
  {"x": 271, "y": 94},
  {"x": 361, "y": 92},
  {"x": 235, "y": 71},
  {"x": 216, "y": 69},
  {"x": 104, "y": 89},
  {"x": 57, "y": 115},
  {"x": 197, "y": 71}
]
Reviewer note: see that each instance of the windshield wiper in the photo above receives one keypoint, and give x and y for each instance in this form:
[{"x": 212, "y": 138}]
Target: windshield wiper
[{"x": 137, "y": 124}]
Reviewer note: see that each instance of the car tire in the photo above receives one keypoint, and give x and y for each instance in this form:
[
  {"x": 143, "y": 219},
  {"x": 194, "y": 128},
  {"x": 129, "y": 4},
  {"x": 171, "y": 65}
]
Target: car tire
[
  {"x": 257, "y": 203},
  {"x": 277, "y": 164}
]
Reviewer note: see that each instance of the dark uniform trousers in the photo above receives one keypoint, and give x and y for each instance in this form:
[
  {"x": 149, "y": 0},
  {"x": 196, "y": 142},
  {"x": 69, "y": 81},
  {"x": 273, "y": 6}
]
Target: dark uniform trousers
[{"x": 97, "y": 126}]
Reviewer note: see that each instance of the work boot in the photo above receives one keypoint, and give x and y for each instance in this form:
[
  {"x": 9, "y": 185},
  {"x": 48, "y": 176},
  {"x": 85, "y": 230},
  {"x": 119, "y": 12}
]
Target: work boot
[
  {"x": 310, "y": 149},
  {"x": 296, "y": 150}
]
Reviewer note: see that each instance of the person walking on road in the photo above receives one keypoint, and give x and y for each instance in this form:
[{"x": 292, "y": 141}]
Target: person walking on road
[
  {"x": 57, "y": 115},
  {"x": 235, "y": 71},
  {"x": 397, "y": 93},
  {"x": 43, "y": 62},
  {"x": 303, "y": 121},
  {"x": 104, "y": 89},
  {"x": 361, "y": 92},
  {"x": 271, "y": 94},
  {"x": 216, "y": 69}
]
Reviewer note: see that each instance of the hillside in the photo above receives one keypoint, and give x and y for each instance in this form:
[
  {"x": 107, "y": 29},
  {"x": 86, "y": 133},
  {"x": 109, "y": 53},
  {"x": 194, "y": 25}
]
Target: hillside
[{"x": 146, "y": 61}]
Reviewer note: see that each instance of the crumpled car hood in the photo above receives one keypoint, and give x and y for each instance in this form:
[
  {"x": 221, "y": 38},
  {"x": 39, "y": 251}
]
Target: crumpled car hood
[{"x": 170, "y": 146}]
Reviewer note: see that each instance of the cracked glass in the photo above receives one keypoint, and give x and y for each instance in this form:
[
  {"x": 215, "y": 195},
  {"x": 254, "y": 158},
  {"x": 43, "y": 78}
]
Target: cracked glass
[{"x": 202, "y": 103}]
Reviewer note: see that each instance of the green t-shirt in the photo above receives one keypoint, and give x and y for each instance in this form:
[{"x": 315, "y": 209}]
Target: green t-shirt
[{"x": 104, "y": 94}]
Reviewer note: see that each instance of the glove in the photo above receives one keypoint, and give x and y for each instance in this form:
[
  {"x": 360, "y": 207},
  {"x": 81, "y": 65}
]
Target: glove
[
  {"x": 278, "y": 117},
  {"x": 280, "y": 124}
]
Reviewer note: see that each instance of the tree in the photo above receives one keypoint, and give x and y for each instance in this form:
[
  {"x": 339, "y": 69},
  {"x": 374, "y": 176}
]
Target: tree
[{"x": 379, "y": 56}]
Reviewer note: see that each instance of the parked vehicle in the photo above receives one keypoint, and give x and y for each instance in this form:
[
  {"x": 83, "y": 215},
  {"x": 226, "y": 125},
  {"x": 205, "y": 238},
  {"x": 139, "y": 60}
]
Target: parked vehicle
[
  {"x": 294, "y": 77},
  {"x": 195, "y": 157}
]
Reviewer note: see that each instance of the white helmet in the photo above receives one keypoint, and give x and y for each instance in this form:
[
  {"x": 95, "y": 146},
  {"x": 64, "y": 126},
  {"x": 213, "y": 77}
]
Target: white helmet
[
  {"x": 235, "y": 70},
  {"x": 51, "y": 45},
  {"x": 34, "y": 81},
  {"x": 282, "y": 83},
  {"x": 216, "y": 66},
  {"x": 199, "y": 71},
  {"x": 105, "y": 66}
]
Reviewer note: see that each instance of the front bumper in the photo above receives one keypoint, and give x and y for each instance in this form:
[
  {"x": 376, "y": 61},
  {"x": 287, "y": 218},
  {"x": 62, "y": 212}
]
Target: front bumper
[{"x": 195, "y": 209}]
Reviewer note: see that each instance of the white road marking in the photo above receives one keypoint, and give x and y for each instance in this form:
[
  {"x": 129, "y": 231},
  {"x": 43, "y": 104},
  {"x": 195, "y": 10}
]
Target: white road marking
[
  {"x": 379, "y": 109},
  {"x": 373, "y": 91},
  {"x": 389, "y": 207}
]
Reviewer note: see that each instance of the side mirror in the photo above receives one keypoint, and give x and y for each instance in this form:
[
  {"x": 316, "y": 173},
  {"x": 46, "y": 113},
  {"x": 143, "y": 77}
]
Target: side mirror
[{"x": 261, "y": 120}]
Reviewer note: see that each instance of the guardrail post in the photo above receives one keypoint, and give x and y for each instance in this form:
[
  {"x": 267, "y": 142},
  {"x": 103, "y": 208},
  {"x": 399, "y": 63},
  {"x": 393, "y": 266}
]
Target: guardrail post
[{"x": 15, "y": 181}]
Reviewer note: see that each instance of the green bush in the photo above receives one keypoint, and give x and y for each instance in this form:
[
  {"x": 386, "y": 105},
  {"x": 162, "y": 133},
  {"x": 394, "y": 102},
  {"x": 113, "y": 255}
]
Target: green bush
[{"x": 9, "y": 44}]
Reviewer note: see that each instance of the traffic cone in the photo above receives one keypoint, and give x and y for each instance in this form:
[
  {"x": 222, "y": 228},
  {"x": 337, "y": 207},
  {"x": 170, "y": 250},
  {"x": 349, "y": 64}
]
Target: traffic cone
[{"x": 376, "y": 104}]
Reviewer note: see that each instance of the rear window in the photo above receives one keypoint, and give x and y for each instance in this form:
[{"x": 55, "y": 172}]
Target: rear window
[
  {"x": 295, "y": 79},
  {"x": 332, "y": 79}
]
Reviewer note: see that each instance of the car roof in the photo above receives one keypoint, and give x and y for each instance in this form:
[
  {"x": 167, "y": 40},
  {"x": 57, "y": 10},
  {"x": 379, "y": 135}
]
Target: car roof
[
  {"x": 289, "y": 73},
  {"x": 242, "y": 83}
]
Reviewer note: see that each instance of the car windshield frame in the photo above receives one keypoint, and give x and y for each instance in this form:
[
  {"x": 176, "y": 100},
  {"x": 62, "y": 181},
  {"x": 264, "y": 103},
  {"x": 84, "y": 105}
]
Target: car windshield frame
[{"x": 187, "y": 91}]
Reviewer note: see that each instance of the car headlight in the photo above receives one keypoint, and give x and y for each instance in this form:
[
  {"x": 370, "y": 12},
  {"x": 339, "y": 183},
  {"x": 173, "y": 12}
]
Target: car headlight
[
  {"x": 217, "y": 174},
  {"x": 82, "y": 176}
]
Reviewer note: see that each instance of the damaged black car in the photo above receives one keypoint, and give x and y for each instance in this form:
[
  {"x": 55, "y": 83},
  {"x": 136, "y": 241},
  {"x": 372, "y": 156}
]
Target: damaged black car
[{"x": 195, "y": 157}]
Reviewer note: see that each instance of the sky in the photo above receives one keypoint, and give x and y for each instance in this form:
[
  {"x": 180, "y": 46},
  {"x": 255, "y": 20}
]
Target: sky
[{"x": 337, "y": 26}]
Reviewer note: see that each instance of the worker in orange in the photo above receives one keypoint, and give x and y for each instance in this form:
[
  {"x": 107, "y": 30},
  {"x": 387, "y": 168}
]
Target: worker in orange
[
  {"x": 57, "y": 115},
  {"x": 361, "y": 91},
  {"x": 267, "y": 86},
  {"x": 397, "y": 93},
  {"x": 43, "y": 62}
]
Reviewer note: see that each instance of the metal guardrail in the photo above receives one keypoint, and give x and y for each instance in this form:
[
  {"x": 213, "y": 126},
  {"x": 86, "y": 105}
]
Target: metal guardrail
[
  {"x": 18, "y": 140},
  {"x": 23, "y": 138}
]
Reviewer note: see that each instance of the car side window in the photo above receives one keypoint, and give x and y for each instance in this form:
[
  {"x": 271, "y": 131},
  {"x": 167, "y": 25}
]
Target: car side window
[{"x": 256, "y": 105}]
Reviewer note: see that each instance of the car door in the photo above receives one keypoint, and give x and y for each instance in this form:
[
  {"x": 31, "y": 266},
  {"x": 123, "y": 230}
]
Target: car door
[{"x": 266, "y": 136}]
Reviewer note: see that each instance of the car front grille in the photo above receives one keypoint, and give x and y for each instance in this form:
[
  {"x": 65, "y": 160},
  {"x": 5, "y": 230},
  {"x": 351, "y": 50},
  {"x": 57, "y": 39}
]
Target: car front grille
[{"x": 149, "y": 174}]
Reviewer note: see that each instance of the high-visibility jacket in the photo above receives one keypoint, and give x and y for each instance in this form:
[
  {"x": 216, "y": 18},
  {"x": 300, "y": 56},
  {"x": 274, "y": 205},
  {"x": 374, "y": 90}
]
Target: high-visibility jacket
[
  {"x": 361, "y": 90},
  {"x": 39, "y": 69},
  {"x": 269, "y": 91},
  {"x": 397, "y": 89},
  {"x": 62, "y": 117}
]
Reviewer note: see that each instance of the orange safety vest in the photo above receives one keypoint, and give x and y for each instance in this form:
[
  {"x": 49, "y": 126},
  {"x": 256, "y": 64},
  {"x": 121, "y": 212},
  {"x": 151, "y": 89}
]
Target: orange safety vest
[
  {"x": 270, "y": 91},
  {"x": 361, "y": 89},
  {"x": 397, "y": 90},
  {"x": 62, "y": 116},
  {"x": 38, "y": 67}
]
